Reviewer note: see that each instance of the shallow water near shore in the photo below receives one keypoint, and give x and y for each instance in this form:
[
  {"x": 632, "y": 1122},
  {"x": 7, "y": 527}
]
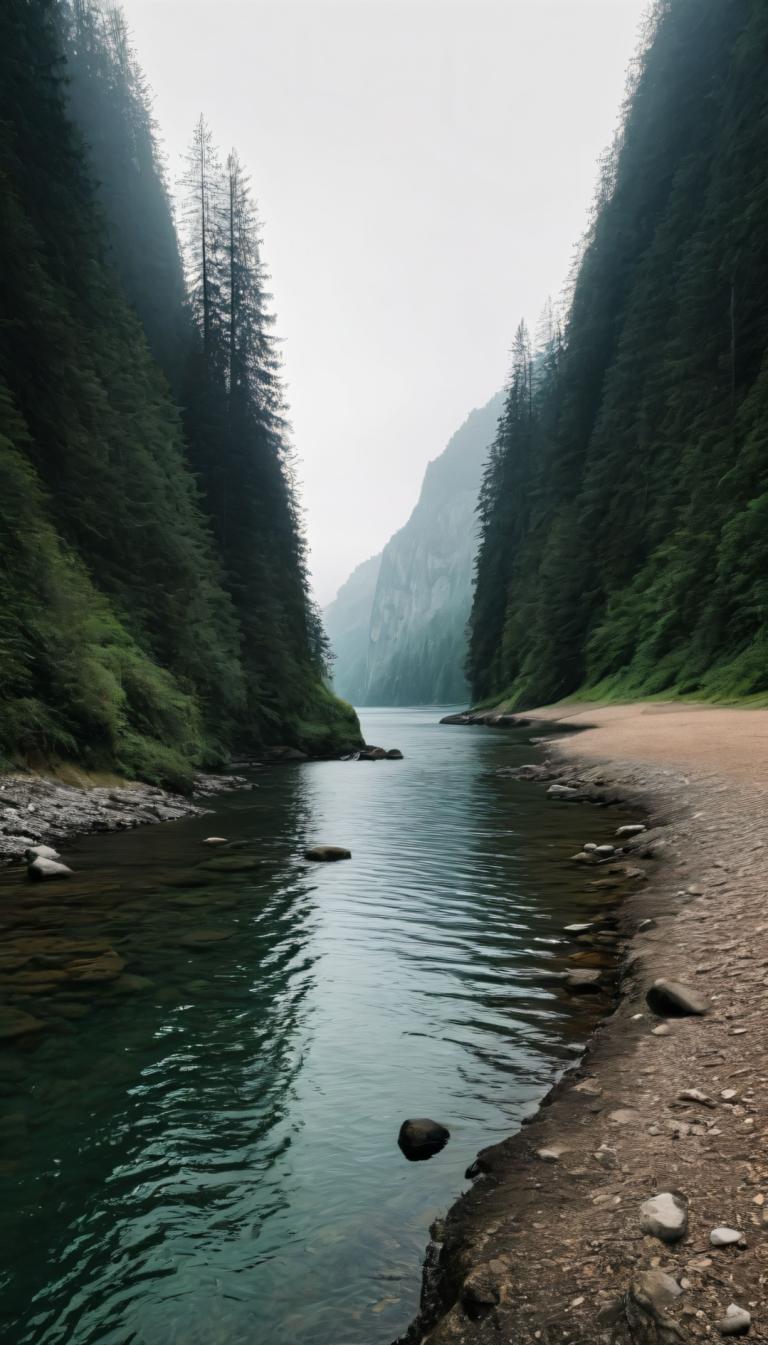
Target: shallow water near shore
[{"x": 199, "y": 1143}]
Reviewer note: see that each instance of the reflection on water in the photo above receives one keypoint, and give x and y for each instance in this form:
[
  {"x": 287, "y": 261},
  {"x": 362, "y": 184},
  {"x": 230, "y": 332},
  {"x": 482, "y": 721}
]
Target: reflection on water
[{"x": 199, "y": 1144}]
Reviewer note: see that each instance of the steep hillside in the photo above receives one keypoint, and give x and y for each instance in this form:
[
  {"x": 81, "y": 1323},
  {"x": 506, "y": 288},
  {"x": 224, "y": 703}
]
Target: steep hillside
[
  {"x": 415, "y": 628},
  {"x": 347, "y": 623},
  {"x": 125, "y": 623},
  {"x": 625, "y": 504}
]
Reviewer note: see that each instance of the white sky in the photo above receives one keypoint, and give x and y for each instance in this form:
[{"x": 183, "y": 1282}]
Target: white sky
[{"x": 423, "y": 170}]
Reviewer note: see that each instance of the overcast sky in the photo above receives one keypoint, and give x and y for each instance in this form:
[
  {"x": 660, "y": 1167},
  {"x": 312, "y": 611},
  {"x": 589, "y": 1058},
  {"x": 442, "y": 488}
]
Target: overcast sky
[{"x": 423, "y": 170}]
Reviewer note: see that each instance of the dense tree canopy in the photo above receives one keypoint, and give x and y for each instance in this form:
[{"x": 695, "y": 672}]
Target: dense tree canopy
[
  {"x": 624, "y": 505},
  {"x": 142, "y": 623}
]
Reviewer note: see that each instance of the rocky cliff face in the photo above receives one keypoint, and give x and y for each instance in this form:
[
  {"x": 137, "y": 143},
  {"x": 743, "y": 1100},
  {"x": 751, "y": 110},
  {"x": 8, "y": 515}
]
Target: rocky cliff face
[
  {"x": 408, "y": 608},
  {"x": 347, "y": 621}
]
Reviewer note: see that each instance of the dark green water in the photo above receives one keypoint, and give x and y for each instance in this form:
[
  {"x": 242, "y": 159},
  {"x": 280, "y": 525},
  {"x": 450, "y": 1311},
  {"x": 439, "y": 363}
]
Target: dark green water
[{"x": 203, "y": 1150}]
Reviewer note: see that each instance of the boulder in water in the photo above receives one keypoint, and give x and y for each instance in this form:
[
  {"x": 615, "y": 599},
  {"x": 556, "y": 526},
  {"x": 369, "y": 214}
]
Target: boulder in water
[
  {"x": 394, "y": 754},
  {"x": 327, "y": 854},
  {"x": 42, "y": 870},
  {"x": 422, "y": 1138},
  {"x": 215, "y": 840}
]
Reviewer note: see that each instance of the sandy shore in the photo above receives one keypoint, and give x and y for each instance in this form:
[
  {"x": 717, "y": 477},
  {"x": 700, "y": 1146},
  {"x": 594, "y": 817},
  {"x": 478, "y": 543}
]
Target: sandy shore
[{"x": 550, "y": 1248}]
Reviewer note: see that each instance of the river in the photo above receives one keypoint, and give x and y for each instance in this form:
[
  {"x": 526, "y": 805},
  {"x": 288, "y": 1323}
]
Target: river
[{"x": 200, "y": 1147}]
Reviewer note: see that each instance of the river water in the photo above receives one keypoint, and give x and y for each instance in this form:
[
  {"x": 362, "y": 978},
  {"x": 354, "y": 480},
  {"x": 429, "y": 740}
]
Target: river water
[{"x": 200, "y": 1146}]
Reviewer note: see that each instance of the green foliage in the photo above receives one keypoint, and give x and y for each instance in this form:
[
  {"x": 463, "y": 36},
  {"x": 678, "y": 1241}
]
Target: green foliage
[
  {"x": 123, "y": 634},
  {"x": 624, "y": 524}
]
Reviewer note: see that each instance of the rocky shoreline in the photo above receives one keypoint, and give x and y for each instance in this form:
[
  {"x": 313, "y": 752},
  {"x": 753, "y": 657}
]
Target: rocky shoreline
[
  {"x": 37, "y": 809},
  {"x": 552, "y": 1243}
]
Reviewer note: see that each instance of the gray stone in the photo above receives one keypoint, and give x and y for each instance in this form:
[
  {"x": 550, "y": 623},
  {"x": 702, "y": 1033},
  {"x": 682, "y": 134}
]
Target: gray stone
[
  {"x": 215, "y": 840},
  {"x": 634, "y": 829},
  {"x": 584, "y": 981},
  {"x": 658, "y": 1287},
  {"x": 41, "y": 852},
  {"x": 675, "y": 999},
  {"x": 605, "y": 851},
  {"x": 563, "y": 792},
  {"x": 552, "y": 1153},
  {"x": 725, "y": 1237},
  {"x": 43, "y": 870},
  {"x": 736, "y": 1321},
  {"x": 696, "y": 1095},
  {"x": 578, "y": 929},
  {"x": 665, "y": 1216}
]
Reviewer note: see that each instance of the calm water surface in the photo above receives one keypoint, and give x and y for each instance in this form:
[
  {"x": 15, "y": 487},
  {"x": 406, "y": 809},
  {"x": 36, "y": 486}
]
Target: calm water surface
[{"x": 200, "y": 1149}]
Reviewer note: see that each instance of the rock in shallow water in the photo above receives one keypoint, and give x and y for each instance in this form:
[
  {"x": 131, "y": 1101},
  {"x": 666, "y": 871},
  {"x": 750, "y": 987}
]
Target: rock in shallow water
[
  {"x": 665, "y": 1216},
  {"x": 43, "y": 870},
  {"x": 584, "y": 982},
  {"x": 676, "y": 999},
  {"x": 327, "y": 854},
  {"x": 421, "y": 1138}
]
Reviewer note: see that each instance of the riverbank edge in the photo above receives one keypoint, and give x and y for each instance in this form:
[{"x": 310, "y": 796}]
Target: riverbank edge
[
  {"x": 545, "y": 1249},
  {"x": 40, "y": 809}
]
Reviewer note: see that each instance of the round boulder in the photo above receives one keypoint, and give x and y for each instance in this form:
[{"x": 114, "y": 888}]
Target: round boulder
[
  {"x": 421, "y": 1138},
  {"x": 327, "y": 854}
]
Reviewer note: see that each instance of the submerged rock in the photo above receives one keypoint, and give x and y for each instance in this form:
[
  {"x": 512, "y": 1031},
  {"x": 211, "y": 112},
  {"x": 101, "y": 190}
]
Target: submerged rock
[
  {"x": 15, "y": 1023},
  {"x": 327, "y": 854},
  {"x": 394, "y": 754},
  {"x": 422, "y": 1138},
  {"x": 215, "y": 840},
  {"x": 200, "y": 938},
  {"x": 231, "y": 864},
  {"x": 675, "y": 999}
]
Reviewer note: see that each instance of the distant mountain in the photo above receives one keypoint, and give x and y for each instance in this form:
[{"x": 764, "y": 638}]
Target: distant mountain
[
  {"x": 347, "y": 621},
  {"x": 398, "y": 626}
]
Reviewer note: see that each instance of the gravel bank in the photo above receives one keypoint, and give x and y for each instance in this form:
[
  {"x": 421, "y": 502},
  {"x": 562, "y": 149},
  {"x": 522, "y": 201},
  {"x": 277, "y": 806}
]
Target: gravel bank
[
  {"x": 36, "y": 808},
  {"x": 549, "y": 1245}
]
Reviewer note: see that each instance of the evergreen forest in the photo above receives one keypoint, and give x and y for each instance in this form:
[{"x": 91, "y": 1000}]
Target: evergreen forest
[
  {"x": 155, "y": 612},
  {"x": 624, "y": 507}
]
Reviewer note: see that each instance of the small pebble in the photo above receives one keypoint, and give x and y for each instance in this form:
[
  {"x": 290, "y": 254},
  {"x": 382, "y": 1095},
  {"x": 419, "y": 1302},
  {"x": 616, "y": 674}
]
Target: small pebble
[{"x": 725, "y": 1237}]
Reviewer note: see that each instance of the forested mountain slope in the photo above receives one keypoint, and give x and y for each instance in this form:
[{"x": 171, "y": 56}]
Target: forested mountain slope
[
  {"x": 415, "y": 627},
  {"x": 130, "y": 633},
  {"x": 625, "y": 507}
]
